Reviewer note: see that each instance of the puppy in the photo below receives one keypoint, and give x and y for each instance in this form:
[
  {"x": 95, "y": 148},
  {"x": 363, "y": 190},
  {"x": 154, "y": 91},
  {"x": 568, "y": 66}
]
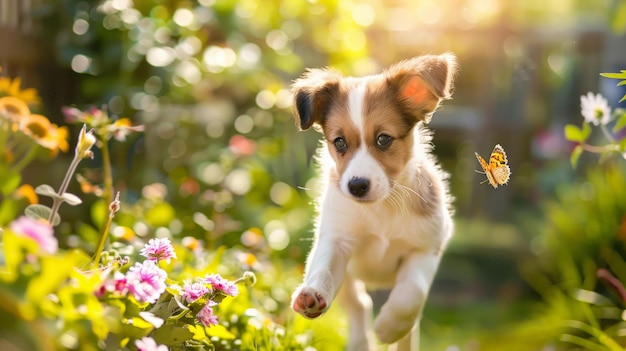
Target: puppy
[{"x": 384, "y": 208}]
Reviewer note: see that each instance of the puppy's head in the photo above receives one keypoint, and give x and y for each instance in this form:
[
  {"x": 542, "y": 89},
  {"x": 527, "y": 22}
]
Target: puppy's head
[{"x": 368, "y": 122}]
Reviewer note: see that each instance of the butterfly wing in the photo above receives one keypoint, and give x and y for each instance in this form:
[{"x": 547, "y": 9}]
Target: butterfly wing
[
  {"x": 498, "y": 157},
  {"x": 486, "y": 167},
  {"x": 498, "y": 164},
  {"x": 501, "y": 174}
]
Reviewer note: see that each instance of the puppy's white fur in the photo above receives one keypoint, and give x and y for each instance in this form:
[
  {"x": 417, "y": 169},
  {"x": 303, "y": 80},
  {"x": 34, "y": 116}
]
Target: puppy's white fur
[{"x": 384, "y": 209}]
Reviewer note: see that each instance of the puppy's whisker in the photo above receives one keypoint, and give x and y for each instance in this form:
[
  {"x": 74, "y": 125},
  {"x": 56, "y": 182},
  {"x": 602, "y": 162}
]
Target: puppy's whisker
[
  {"x": 408, "y": 190},
  {"x": 396, "y": 200}
]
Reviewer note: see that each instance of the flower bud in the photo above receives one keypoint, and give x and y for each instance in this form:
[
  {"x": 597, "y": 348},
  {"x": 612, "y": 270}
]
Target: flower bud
[
  {"x": 248, "y": 279},
  {"x": 114, "y": 206},
  {"x": 86, "y": 140}
]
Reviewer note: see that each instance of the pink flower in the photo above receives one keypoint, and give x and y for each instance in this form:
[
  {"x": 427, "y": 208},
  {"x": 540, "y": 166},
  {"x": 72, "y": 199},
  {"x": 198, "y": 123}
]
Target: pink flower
[
  {"x": 159, "y": 249},
  {"x": 242, "y": 146},
  {"x": 118, "y": 285},
  {"x": 148, "y": 344},
  {"x": 192, "y": 292},
  {"x": 206, "y": 316},
  {"x": 220, "y": 284},
  {"x": 146, "y": 281},
  {"x": 41, "y": 232}
]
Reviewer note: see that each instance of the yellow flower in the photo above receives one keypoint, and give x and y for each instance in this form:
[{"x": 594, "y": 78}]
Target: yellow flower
[
  {"x": 12, "y": 88},
  {"x": 122, "y": 127},
  {"x": 46, "y": 134},
  {"x": 13, "y": 108},
  {"x": 59, "y": 136},
  {"x": 26, "y": 191}
]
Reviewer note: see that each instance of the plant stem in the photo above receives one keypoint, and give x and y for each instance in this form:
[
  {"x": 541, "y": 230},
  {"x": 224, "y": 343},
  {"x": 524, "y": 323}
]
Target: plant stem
[
  {"x": 24, "y": 160},
  {"x": 103, "y": 237},
  {"x": 607, "y": 134},
  {"x": 114, "y": 206},
  {"x": 56, "y": 201},
  {"x": 107, "y": 194},
  {"x": 599, "y": 149}
]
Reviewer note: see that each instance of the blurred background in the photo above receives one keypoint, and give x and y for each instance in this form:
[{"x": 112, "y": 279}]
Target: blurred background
[{"x": 221, "y": 160}]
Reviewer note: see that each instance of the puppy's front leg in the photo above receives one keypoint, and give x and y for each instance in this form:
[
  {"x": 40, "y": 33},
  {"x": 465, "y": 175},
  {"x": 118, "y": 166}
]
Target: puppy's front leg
[
  {"x": 404, "y": 306},
  {"x": 325, "y": 270}
]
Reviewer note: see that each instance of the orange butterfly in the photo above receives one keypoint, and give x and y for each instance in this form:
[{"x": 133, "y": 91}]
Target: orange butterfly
[{"x": 497, "y": 170}]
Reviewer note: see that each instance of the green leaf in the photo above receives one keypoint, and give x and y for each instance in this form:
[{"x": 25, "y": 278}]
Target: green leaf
[
  {"x": 573, "y": 133},
  {"x": 621, "y": 123},
  {"x": 54, "y": 271},
  {"x": 9, "y": 181},
  {"x": 585, "y": 344},
  {"x": 220, "y": 331},
  {"x": 604, "y": 339},
  {"x": 99, "y": 213},
  {"x": 171, "y": 335},
  {"x": 38, "y": 211},
  {"x": 46, "y": 190},
  {"x": 9, "y": 211},
  {"x": 71, "y": 199},
  {"x": 578, "y": 150},
  {"x": 621, "y": 75},
  {"x": 592, "y": 297},
  {"x": 622, "y": 145},
  {"x": 160, "y": 214}
]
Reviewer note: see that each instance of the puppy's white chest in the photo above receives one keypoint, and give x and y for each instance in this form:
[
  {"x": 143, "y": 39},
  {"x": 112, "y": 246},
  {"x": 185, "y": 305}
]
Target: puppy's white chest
[{"x": 377, "y": 261}]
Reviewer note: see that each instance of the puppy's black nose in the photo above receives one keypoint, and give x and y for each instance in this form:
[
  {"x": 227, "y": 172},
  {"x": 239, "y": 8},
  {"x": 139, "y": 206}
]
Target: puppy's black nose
[{"x": 358, "y": 186}]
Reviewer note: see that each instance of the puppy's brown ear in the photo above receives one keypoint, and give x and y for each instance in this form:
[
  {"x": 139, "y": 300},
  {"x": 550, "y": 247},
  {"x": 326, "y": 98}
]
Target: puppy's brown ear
[
  {"x": 422, "y": 82},
  {"x": 313, "y": 94}
]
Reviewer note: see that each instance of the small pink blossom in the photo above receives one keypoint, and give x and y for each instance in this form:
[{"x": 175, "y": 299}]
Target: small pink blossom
[
  {"x": 118, "y": 285},
  {"x": 192, "y": 292},
  {"x": 220, "y": 284},
  {"x": 206, "y": 316},
  {"x": 148, "y": 344},
  {"x": 159, "y": 249},
  {"x": 41, "y": 232},
  {"x": 242, "y": 146},
  {"x": 146, "y": 281}
]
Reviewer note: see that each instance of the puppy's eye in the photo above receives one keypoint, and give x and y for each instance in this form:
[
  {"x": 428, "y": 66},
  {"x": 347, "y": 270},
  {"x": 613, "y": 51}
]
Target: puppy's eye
[
  {"x": 383, "y": 141},
  {"x": 340, "y": 144}
]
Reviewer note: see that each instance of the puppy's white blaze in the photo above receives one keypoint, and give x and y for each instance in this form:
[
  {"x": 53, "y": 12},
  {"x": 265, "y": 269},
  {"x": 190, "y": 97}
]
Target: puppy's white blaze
[
  {"x": 356, "y": 99},
  {"x": 363, "y": 165}
]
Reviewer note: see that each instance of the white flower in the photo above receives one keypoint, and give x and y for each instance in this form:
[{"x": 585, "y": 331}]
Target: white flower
[
  {"x": 595, "y": 109},
  {"x": 148, "y": 344}
]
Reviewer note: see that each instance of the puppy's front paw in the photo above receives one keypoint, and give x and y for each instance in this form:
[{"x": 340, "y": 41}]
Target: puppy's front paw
[
  {"x": 390, "y": 328},
  {"x": 309, "y": 302}
]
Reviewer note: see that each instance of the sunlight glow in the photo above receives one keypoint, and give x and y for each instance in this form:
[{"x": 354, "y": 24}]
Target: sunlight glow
[
  {"x": 80, "y": 26},
  {"x": 160, "y": 56},
  {"x": 280, "y": 193},
  {"x": 80, "y": 63},
  {"x": 212, "y": 174},
  {"x": 265, "y": 99},
  {"x": 216, "y": 59},
  {"x": 238, "y": 181},
  {"x": 184, "y": 17},
  {"x": 363, "y": 15},
  {"x": 244, "y": 124}
]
